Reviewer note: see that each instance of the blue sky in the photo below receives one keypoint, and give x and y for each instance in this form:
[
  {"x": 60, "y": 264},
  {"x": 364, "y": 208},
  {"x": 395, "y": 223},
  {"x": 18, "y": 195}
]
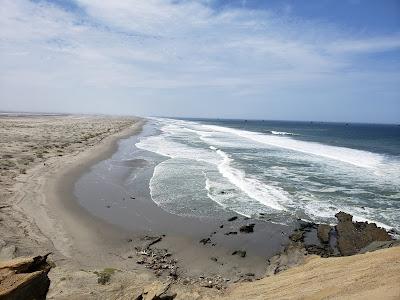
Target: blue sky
[{"x": 296, "y": 60}]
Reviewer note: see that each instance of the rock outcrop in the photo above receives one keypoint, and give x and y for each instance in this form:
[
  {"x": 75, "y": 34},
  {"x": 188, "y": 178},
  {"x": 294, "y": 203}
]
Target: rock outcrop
[
  {"x": 323, "y": 233},
  {"x": 353, "y": 236},
  {"x": 24, "y": 278}
]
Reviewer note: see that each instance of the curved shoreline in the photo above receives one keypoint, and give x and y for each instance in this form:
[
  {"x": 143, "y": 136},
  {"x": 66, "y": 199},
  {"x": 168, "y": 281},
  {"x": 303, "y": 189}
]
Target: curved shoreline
[
  {"x": 142, "y": 217},
  {"x": 74, "y": 232},
  {"x": 86, "y": 229}
]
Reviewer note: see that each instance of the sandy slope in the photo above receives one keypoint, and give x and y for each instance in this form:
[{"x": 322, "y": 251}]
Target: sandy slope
[{"x": 374, "y": 275}]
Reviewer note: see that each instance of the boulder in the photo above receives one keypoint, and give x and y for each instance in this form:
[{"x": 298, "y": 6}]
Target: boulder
[
  {"x": 230, "y": 232},
  {"x": 205, "y": 241},
  {"x": 297, "y": 236},
  {"x": 241, "y": 253},
  {"x": 304, "y": 225},
  {"x": 343, "y": 217},
  {"x": 323, "y": 233},
  {"x": 247, "y": 228},
  {"x": 24, "y": 278},
  {"x": 353, "y": 236}
]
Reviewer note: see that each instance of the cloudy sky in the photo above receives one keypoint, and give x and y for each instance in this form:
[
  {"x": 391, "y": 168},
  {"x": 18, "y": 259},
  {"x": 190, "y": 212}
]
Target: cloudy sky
[{"x": 299, "y": 60}]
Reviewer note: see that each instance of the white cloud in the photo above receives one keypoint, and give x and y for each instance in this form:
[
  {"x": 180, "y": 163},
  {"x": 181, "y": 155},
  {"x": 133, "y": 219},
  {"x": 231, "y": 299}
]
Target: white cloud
[
  {"x": 369, "y": 45},
  {"x": 156, "y": 44}
]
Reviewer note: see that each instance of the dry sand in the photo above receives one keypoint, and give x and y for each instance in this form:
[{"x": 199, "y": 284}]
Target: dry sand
[
  {"x": 373, "y": 275},
  {"x": 41, "y": 156}
]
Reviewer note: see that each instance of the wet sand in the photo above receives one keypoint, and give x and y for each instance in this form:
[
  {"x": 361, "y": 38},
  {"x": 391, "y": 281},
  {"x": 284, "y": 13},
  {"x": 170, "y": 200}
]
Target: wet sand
[{"x": 116, "y": 191}]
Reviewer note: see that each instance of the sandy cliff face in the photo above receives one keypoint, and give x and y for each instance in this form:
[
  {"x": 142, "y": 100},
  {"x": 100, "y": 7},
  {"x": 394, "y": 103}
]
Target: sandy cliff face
[{"x": 372, "y": 275}]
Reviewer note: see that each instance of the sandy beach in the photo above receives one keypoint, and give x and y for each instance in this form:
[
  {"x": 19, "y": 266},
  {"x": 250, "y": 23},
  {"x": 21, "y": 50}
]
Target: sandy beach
[
  {"x": 199, "y": 149},
  {"x": 141, "y": 246}
]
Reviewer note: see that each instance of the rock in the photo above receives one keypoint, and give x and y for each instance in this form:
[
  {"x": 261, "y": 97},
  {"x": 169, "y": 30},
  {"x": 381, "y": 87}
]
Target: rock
[
  {"x": 214, "y": 259},
  {"x": 247, "y": 228},
  {"x": 153, "y": 240},
  {"x": 317, "y": 250},
  {"x": 353, "y": 236},
  {"x": 205, "y": 241},
  {"x": 139, "y": 297},
  {"x": 222, "y": 226},
  {"x": 323, "y": 233},
  {"x": 156, "y": 292},
  {"x": 241, "y": 253},
  {"x": 25, "y": 278},
  {"x": 173, "y": 273},
  {"x": 166, "y": 296},
  {"x": 292, "y": 256},
  {"x": 297, "y": 236},
  {"x": 232, "y": 218},
  {"x": 343, "y": 217},
  {"x": 250, "y": 274},
  {"x": 303, "y": 225},
  {"x": 231, "y": 232}
]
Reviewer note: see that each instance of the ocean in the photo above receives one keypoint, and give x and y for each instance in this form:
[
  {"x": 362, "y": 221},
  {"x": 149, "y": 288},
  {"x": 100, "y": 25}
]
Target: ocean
[{"x": 276, "y": 170}]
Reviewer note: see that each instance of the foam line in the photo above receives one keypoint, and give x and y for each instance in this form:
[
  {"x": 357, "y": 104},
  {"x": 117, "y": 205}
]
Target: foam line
[
  {"x": 264, "y": 194},
  {"x": 355, "y": 157}
]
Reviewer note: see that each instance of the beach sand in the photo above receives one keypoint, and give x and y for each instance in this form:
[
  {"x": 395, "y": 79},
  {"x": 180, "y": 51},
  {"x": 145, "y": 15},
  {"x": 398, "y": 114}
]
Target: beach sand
[{"x": 44, "y": 156}]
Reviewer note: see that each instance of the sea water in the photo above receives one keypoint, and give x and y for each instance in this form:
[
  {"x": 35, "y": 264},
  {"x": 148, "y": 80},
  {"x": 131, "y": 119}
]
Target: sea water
[{"x": 277, "y": 170}]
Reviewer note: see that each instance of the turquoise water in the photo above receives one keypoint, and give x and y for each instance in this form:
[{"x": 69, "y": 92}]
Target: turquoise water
[{"x": 283, "y": 170}]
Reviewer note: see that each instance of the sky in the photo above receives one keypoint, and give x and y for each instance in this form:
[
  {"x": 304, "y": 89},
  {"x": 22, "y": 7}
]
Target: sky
[{"x": 322, "y": 60}]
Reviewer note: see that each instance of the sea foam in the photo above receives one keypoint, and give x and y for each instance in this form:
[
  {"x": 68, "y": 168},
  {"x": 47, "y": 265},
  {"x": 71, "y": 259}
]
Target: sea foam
[
  {"x": 274, "y": 172},
  {"x": 255, "y": 189},
  {"x": 281, "y": 133},
  {"x": 355, "y": 157}
]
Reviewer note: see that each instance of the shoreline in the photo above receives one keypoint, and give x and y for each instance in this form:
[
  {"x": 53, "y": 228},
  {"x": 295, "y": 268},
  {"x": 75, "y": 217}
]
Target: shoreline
[
  {"x": 61, "y": 188},
  {"x": 82, "y": 244},
  {"x": 59, "y": 217},
  {"x": 180, "y": 235},
  {"x": 82, "y": 239}
]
